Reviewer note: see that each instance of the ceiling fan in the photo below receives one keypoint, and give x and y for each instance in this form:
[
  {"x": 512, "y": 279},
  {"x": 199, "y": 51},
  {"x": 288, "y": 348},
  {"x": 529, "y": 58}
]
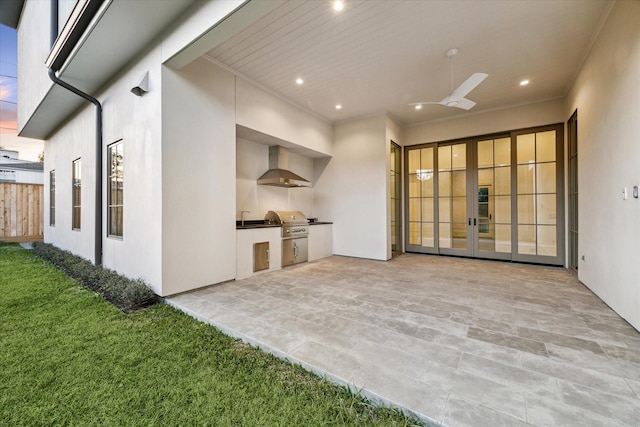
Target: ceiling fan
[{"x": 457, "y": 97}]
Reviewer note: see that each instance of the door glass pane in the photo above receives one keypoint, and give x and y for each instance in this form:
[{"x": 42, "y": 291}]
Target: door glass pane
[
  {"x": 459, "y": 185},
  {"x": 414, "y": 209},
  {"x": 485, "y": 178},
  {"x": 459, "y": 156},
  {"x": 526, "y": 148},
  {"x": 459, "y": 240},
  {"x": 426, "y": 159},
  {"x": 444, "y": 209},
  {"x": 502, "y": 148},
  {"x": 503, "y": 238},
  {"x": 427, "y": 235},
  {"x": 444, "y": 158},
  {"x": 414, "y": 186},
  {"x": 427, "y": 183},
  {"x": 526, "y": 175},
  {"x": 546, "y": 177},
  {"x": 546, "y": 208},
  {"x": 503, "y": 180},
  {"x": 546, "y": 235},
  {"x": 502, "y": 209},
  {"x": 526, "y": 209},
  {"x": 459, "y": 209},
  {"x": 485, "y": 153},
  {"x": 527, "y": 239},
  {"x": 546, "y": 146},
  {"x": 444, "y": 184},
  {"x": 427, "y": 209},
  {"x": 392, "y": 183},
  {"x": 444, "y": 239},
  {"x": 414, "y": 161},
  {"x": 414, "y": 233}
]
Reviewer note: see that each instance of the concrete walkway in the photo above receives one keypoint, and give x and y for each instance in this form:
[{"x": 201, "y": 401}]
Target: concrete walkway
[{"x": 457, "y": 341}]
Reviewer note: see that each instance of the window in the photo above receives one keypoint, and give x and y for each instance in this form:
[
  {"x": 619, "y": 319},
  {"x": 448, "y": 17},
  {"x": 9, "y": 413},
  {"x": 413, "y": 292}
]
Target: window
[
  {"x": 115, "y": 201},
  {"x": 76, "y": 195},
  {"x": 52, "y": 198}
]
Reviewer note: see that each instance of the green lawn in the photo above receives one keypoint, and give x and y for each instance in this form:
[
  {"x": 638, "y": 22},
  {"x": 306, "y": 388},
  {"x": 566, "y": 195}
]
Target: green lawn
[{"x": 67, "y": 357}]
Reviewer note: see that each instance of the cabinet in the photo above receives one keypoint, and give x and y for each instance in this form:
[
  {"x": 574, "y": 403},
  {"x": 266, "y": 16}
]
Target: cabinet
[
  {"x": 260, "y": 256},
  {"x": 320, "y": 241},
  {"x": 245, "y": 241},
  {"x": 294, "y": 251}
]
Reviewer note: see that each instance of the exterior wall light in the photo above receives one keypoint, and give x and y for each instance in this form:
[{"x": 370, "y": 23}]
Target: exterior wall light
[{"x": 142, "y": 86}]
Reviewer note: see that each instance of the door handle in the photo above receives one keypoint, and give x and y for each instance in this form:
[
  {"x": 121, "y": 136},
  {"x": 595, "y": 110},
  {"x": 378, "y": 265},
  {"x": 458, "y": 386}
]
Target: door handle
[
  {"x": 469, "y": 221},
  {"x": 266, "y": 255},
  {"x": 474, "y": 221},
  {"x": 295, "y": 250}
]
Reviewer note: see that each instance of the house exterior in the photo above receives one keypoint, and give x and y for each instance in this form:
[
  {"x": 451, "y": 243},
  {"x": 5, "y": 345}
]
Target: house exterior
[
  {"x": 12, "y": 169},
  {"x": 156, "y": 191}
]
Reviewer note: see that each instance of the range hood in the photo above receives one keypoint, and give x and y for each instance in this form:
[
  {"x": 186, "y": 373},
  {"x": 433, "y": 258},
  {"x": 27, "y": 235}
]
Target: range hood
[{"x": 279, "y": 174}]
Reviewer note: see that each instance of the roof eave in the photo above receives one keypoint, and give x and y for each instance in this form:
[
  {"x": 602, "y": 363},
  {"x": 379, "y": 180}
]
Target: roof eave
[{"x": 10, "y": 11}]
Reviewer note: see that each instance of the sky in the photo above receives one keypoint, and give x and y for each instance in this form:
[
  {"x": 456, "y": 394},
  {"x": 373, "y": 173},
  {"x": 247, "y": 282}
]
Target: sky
[{"x": 28, "y": 148}]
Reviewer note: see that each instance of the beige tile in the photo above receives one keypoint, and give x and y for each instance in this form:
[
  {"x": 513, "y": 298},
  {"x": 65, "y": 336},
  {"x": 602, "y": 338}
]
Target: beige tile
[
  {"x": 510, "y": 341},
  {"x": 467, "y": 342}
]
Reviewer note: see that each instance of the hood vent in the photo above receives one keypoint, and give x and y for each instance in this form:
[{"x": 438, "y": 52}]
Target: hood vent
[{"x": 279, "y": 174}]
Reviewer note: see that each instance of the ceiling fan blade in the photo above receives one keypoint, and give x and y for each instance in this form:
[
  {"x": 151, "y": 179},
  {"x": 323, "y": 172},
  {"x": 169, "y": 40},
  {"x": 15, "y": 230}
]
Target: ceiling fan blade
[
  {"x": 426, "y": 102},
  {"x": 467, "y": 86},
  {"x": 465, "y": 104}
]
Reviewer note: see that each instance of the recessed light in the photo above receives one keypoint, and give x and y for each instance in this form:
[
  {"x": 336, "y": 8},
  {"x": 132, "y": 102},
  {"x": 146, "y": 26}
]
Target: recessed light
[
  {"x": 418, "y": 107},
  {"x": 299, "y": 81},
  {"x": 338, "y": 5},
  {"x": 524, "y": 82},
  {"x": 338, "y": 107}
]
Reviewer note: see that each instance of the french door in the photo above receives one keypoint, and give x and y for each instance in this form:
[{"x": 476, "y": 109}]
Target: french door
[{"x": 497, "y": 197}]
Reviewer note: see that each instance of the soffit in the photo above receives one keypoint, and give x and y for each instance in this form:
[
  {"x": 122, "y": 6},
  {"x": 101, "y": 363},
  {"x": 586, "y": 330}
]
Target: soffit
[
  {"x": 122, "y": 31},
  {"x": 375, "y": 56}
]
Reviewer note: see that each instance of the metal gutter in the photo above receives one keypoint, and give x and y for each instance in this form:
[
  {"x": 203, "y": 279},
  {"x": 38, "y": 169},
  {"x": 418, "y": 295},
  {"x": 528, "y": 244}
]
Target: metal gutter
[{"x": 59, "y": 53}]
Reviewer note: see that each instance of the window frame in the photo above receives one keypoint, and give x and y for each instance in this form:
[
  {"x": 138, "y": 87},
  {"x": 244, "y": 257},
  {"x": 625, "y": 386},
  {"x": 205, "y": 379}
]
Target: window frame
[
  {"x": 52, "y": 198},
  {"x": 116, "y": 230},
  {"x": 76, "y": 194}
]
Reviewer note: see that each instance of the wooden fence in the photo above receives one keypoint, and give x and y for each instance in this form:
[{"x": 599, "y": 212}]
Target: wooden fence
[{"x": 21, "y": 212}]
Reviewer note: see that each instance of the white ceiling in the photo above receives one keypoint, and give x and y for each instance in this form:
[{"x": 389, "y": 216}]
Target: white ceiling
[{"x": 376, "y": 56}]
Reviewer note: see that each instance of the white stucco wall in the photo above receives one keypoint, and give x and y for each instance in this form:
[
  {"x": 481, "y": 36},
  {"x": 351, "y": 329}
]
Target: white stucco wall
[
  {"x": 252, "y": 161},
  {"x": 135, "y": 121},
  {"x": 33, "y": 49},
  {"x": 352, "y": 188},
  {"x": 609, "y": 160},
  {"x": 260, "y": 110},
  {"x": 198, "y": 177},
  {"x": 74, "y": 141}
]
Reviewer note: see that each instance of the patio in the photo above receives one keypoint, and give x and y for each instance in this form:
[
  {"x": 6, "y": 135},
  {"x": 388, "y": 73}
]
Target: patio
[{"x": 456, "y": 341}]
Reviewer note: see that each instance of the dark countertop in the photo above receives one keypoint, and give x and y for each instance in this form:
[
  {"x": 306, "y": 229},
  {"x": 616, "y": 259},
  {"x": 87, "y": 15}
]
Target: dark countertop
[{"x": 251, "y": 224}]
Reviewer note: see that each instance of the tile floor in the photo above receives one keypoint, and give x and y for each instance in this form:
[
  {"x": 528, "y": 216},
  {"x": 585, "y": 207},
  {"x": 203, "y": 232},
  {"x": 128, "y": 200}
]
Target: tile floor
[{"x": 456, "y": 341}]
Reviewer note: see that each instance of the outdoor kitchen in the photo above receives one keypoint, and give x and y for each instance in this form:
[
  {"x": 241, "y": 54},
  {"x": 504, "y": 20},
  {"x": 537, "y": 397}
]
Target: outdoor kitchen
[{"x": 275, "y": 222}]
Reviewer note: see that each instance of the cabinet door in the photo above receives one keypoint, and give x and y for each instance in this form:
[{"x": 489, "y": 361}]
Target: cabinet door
[
  {"x": 301, "y": 251},
  {"x": 260, "y": 256},
  {"x": 288, "y": 254}
]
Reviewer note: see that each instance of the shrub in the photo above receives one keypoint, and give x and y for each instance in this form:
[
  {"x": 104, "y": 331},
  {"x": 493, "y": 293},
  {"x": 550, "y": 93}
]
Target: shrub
[{"x": 126, "y": 294}]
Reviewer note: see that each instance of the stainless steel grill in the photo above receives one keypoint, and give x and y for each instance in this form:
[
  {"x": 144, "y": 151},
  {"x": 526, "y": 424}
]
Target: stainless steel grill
[
  {"x": 295, "y": 232},
  {"x": 294, "y": 223}
]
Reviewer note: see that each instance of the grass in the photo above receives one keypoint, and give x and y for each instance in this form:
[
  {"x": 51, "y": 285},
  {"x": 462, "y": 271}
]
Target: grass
[{"x": 70, "y": 358}]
